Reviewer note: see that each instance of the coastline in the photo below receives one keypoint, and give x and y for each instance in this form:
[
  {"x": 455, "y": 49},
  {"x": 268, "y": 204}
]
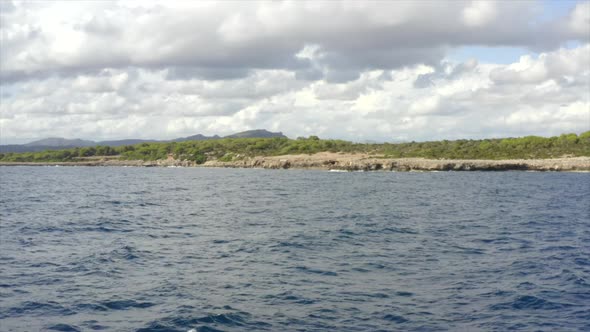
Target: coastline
[{"x": 346, "y": 162}]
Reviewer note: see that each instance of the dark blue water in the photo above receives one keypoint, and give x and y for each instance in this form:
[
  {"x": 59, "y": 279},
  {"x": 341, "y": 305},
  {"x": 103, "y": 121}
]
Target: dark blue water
[{"x": 161, "y": 249}]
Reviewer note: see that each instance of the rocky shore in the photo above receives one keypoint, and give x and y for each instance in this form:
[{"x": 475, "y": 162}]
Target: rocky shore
[
  {"x": 347, "y": 162},
  {"x": 359, "y": 162}
]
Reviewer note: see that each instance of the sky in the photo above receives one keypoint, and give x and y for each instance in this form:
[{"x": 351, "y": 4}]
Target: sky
[{"x": 368, "y": 71}]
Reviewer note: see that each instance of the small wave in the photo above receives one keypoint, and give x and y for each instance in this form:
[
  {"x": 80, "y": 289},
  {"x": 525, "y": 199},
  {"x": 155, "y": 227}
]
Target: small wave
[
  {"x": 31, "y": 308},
  {"x": 127, "y": 253},
  {"x": 223, "y": 319},
  {"x": 103, "y": 229},
  {"x": 582, "y": 261},
  {"x": 582, "y": 314},
  {"x": 45, "y": 229},
  {"x": 528, "y": 302},
  {"x": 467, "y": 250},
  {"x": 44, "y": 264},
  {"x": 367, "y": 295},
  {"x": 211, "y": 322},
  {"x": 290, "y": 297},
  {"x": 395, "y": 318},
  {"x": 347, "y": 232},
  {"x": 398, "y": 230},
  {"x": 125, "y": 304},
  {"x": 93, "y": 325},
  {"x": 377, "y": 266},
  {"x": 149, "y": 204},
  {"x": 180, "y": 189},
  {"x": 558, "y": 248},
  {"x": 315, "y": 271},
  {"x": 90, "y": 307},
  {"x": 63, "y": 328},
  {"x": 498, "y": 293},
  {"x": 286, "y": 244},
  {"x": 569, "y": 277},
  {"x": 205, "y": 329},
  {"x": 218, "y": 241}
]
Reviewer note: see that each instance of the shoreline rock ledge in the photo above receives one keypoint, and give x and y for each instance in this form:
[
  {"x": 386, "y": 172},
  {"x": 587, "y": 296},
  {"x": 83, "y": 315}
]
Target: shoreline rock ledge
[
  {"x": 332, "y": 161},
  {"x": 348, "y": 162}
]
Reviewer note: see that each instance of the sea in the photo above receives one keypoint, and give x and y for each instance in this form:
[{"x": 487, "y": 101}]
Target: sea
[{"x": 200, "y": 249}]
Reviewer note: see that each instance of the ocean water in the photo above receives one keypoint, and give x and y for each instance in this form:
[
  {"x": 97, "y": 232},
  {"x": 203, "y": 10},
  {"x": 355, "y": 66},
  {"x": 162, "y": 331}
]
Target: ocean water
[{"x": 180, "y": 249}]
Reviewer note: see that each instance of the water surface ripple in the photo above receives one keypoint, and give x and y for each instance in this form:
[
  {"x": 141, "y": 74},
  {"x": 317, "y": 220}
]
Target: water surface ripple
[{"x": 172, "y": 249}]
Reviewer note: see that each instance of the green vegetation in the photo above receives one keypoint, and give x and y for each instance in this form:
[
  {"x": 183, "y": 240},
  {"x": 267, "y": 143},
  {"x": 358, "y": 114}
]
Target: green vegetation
[{"x": 228, "y": 149}]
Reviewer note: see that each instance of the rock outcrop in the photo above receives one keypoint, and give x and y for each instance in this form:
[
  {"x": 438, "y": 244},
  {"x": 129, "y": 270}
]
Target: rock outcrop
[
  {"x": 358, "y": 162},
  {"x": 348, "y": 162}
]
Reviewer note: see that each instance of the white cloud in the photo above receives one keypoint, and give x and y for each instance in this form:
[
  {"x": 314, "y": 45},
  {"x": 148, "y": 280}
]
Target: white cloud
[
  {"x": 479, "y": 13},
  {"x": 580, "y": 19},
  {"x": 352, "y": 70},
  {"x": 227, "y": 39},
  {"x": 559, "y": 64}
]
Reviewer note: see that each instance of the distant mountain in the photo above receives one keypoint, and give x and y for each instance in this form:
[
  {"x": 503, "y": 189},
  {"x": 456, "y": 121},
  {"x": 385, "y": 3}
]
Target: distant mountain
[
  {"x": 258, "y": 133},
  {"x": 61, "y": 142},
  {"x": 197, "y": 137},
  {"x": 51, "y": 143},
  {"x": 126, "y": 142},
  {"x": 55, "y": 143},
  {"x": 34, "y": 148}
]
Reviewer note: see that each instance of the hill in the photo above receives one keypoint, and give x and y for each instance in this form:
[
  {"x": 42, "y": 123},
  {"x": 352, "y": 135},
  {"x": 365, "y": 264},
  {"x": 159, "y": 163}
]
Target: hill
[
  {"x": 258, "y": 133},
  {"x": 60, "y": 142},
  {"x": 235, "y": 149},
  {"x": 54, "y": 143}
]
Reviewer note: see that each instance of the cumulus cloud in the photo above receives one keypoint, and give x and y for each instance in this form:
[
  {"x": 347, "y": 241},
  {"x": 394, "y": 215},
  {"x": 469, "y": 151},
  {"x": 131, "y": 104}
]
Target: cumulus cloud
[
  {"x": 225, "y": 40},
  {"x": 560, "y": 64},
  {"x": 579, "y": 21},
  {"x": 479, "y": 13},
  {"x": 356, "y": 70}
]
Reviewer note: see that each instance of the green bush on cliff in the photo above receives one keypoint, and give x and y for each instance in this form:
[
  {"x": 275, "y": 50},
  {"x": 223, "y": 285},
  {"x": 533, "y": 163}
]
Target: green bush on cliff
[{"x": 228, "y": 149}]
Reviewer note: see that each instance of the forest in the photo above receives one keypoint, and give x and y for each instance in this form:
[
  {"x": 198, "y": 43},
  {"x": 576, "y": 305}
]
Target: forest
[{"x": 230, "y": 149}]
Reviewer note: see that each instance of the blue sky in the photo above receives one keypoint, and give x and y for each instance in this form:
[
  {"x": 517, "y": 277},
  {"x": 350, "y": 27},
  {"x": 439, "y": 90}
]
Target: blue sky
[
  {"x": 557, "y": 8},
  {"x": 551, "y": 9}
]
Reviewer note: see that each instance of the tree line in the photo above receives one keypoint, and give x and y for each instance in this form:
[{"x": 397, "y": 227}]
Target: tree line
[{"x": 229, "y": 149}]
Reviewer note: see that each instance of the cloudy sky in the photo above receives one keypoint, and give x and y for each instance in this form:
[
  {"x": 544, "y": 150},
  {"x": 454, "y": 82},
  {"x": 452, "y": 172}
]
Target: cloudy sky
[{"x": 356, "y": 70}]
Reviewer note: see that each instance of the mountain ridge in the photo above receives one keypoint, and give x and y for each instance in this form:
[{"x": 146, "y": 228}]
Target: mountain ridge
[
  {"x": 65, "y": 143},
  {"x": 60, "y": 142}
]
